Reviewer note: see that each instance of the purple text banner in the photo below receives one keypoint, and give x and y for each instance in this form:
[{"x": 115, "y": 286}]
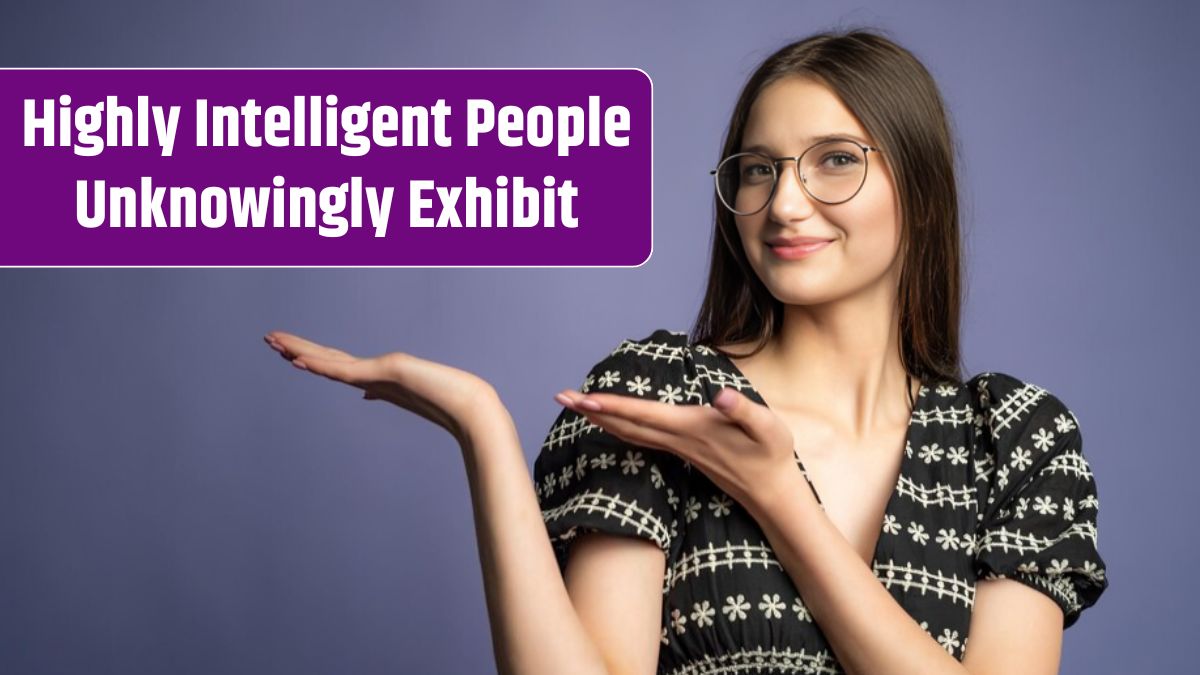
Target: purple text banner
[{"x": 326, "y": 167}]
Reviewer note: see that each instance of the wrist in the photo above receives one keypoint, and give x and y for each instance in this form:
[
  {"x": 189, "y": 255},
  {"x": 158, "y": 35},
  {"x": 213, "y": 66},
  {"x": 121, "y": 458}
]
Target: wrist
[{"x": 785, "y": 486}]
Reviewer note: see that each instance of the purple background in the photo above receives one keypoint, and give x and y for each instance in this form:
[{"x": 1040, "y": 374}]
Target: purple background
[
  {"x": 174, "y": 498},
  {"x": 612, "y": 205}
]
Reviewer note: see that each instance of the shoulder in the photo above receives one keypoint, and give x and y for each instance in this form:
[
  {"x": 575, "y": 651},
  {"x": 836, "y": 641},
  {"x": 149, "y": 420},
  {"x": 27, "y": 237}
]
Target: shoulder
[
  {"x": 1009, "y": 408},
  {"x": 639, "y": 365},
  {"x": 1025, "y": 435},
  {"x": 1038, "y": 501}
]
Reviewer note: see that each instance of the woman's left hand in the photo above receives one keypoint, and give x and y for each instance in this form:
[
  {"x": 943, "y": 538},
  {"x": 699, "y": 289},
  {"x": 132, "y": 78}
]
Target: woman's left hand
[{"x": 742, "y": 446}]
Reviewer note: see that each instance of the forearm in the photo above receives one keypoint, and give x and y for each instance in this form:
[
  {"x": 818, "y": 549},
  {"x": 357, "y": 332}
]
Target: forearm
[
  {"x": 535, "y": 628},
  {"x": 869, "y": 631}
]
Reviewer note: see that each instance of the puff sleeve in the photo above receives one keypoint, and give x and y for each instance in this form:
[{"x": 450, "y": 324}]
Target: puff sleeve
[
  {"x": 1038, "y": 521},
  {"x": 589, "y": 480}
]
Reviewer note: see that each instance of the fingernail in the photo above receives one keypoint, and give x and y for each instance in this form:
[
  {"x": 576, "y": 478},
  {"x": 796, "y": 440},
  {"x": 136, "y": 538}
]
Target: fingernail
[
  {"x": 724, "y": 399},
  {"x": 299, "y": 364},
  {"x": 562, "y": 399}
]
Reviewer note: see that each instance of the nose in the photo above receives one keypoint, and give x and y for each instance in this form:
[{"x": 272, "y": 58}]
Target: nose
[{"x": 790, "y": 201}]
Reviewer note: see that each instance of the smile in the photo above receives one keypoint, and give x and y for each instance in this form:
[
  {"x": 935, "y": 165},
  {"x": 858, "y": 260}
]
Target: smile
[{"x": 796, "y": 252}]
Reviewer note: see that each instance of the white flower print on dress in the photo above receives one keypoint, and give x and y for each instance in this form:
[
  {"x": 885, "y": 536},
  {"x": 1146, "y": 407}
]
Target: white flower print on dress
[
  {"x": 736, "y": 608},
  {"x": 609, "y": 378},
  {"x": 720, "y": 505},
  {"x": 1093, "y": 570},
  {"x": 948, "y": 539},
  {"x": 968, "y": 543},
  {"x": 670, "y": 394},
  {"x": 931, "y": 453},
  {"x": 656, "y": 478},
  {"x": 1043, "y": 440},
  {"x": 692, "y": 510},
  {"x": 957, "y": 455},
  {"x": 1045, "y": 505},
  {"x": 949, "y": 640},
  {"x": 1002, "y": 477},
  {"x": 1058, "y": 566},
  {"x": 1021, "y": 458},
  {"x": 604, "y": 460},
  {"x": 890, "y": 524},
  {"x": 702, "y": 614},
  {"x": 638, "y": 385},
  {"x": 632, "y": 462},
  {"x": 918, "y": 532},
  {"x": 1022, "y": 504},
  {"x": 581, "y": 463},
  {"x": 1064, "y": 424},
  {"x": 677, "y": 621},
  {"x": 772, "y": 606},
  {"x": 801, "y": 610}
]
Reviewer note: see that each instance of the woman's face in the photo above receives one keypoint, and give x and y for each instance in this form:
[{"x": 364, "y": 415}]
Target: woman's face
[{"x": 864, "y": 231}]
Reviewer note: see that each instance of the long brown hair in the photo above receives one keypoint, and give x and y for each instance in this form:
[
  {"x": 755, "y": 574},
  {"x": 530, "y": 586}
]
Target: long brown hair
[{"x": 897, "y": 101}]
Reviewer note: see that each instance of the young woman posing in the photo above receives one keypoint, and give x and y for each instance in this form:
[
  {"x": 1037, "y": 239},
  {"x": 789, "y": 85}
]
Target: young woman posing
[{"x": 806, "y": 483}]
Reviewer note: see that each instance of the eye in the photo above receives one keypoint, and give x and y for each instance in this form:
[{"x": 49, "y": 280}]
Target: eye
[
  {"x": 839, "y": 160},
  {"x": 754, "y": 170}
]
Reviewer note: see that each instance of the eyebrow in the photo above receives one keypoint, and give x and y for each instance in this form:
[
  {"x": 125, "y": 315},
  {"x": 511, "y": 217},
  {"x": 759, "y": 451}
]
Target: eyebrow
[{"x": 810, "y": 142}]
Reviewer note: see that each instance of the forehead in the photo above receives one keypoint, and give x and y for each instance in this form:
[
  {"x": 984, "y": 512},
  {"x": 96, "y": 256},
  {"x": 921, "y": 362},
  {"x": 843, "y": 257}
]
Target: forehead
[{"x": 790, "y": 113}]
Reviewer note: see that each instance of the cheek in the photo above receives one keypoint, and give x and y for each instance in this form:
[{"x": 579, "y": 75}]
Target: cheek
[
  {"x": 749, "y": 232},
  {"x": 873, "y": 222}
]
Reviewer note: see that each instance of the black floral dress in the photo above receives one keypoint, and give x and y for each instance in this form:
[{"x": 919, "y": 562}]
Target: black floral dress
[{"x": 993, "y": 483}]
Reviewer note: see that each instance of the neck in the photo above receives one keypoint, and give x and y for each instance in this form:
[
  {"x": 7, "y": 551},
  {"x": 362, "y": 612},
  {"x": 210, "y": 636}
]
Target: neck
[{"x": 840, "y": 361}]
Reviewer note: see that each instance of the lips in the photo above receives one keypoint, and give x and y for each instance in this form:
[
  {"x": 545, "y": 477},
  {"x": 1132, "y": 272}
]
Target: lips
[{"x": 796, "y": 241}]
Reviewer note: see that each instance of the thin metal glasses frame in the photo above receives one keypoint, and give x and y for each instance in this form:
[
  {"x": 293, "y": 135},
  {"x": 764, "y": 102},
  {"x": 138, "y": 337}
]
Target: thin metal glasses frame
[{"x": 774, "y": 162}]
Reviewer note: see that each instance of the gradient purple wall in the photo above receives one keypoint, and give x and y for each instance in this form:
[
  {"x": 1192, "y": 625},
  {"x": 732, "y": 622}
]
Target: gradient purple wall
[{"x": 176, "y": 499}]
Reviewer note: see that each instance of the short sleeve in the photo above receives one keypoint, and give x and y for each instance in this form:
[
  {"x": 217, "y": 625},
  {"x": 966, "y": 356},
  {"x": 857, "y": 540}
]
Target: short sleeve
[
  {"x": 589, "y": 480},
  {"x": 1039, "y": 522}
]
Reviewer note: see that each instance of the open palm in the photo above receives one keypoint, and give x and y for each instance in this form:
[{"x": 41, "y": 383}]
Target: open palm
[{"x": 444, "y": 395}]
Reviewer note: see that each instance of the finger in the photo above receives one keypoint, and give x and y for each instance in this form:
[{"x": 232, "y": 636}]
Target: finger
[
  {"x": 756, "y": 420},
  {"x": 298, "y": 346},
  {"x": 673, "y": 419},
  {"x": 638, "y": 434},
  {"x": 703, "y": 422},
  {"x": 358, "y": 372}
]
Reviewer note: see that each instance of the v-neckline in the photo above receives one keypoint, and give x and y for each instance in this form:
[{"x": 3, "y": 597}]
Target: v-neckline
[{"x": 891, "y": 505}]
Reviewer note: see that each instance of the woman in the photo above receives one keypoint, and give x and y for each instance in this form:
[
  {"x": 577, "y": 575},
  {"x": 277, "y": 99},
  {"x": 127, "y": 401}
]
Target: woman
[{"x": 761, "y": 494}]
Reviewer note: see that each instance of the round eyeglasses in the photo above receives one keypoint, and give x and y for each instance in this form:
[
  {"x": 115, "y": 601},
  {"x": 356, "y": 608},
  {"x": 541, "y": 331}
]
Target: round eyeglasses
[{"x": 831, "y": 172}]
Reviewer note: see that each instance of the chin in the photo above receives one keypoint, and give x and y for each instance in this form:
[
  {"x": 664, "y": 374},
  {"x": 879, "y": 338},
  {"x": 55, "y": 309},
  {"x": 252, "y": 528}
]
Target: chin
[{"x": 803, "y": 293}]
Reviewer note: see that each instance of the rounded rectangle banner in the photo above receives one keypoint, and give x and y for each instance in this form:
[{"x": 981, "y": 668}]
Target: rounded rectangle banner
[{"x": 326, "y": 167}]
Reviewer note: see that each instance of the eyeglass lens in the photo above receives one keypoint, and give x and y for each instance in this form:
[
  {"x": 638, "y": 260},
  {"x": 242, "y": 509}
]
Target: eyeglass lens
[{"x": 831, "y": 172}]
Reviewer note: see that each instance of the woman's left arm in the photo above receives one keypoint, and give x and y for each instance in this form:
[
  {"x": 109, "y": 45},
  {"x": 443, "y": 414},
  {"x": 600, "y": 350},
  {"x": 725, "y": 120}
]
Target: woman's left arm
[{"x": 1013, "y": 627}]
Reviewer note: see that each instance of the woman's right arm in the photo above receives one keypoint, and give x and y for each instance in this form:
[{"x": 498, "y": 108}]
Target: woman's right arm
[{"x": 603, "y": 618}]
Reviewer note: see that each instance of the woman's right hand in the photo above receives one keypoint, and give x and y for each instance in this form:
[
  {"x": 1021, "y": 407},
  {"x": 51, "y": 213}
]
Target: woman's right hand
[{"x": 453, "y": 399}]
